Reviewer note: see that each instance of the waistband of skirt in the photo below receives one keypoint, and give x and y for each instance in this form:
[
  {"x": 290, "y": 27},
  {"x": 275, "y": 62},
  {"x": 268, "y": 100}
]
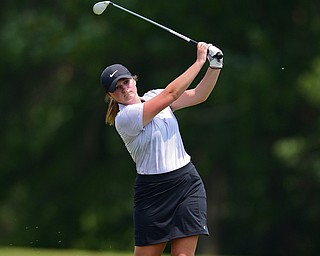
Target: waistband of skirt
[{"x": 167, "y": 175}]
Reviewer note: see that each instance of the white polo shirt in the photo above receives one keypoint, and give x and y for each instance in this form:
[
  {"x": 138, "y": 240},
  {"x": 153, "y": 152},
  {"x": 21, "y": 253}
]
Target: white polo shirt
[{"x": 157, "y": 147}]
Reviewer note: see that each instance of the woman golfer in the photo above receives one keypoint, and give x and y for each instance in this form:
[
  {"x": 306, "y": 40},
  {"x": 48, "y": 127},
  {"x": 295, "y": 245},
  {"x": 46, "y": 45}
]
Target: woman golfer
[{"x": 169, "y": 195}]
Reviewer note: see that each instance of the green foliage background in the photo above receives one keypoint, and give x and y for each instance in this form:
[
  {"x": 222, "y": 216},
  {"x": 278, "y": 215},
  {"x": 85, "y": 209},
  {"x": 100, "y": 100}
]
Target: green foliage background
[{"x": 66, "y": 179}]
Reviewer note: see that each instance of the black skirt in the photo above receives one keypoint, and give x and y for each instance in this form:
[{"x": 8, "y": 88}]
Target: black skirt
[{"x": 169, "y": 206}]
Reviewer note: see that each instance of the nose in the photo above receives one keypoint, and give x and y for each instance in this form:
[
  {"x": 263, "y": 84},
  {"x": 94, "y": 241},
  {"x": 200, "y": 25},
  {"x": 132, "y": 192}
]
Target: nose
[{"x": 123, "y": 86}]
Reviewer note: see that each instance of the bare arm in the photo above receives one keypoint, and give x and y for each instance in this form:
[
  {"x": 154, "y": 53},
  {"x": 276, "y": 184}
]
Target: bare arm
[
  {"x": 200, "y": 93},
  {"x": 176, "y": 88}
]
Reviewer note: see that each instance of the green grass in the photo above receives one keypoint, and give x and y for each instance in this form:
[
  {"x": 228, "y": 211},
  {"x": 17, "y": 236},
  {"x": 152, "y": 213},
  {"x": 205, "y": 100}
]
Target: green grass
[
  {"x": 19, "y": 251},
  {"x": 16, "y": 251}
]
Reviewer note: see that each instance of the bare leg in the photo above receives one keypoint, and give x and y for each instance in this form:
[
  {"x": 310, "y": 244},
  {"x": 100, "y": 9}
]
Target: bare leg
[
  {"x": 185, "y": 246},
  {"x": 149, "y": 250}
]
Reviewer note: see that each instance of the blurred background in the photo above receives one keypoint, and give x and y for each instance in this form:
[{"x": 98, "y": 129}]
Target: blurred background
[{"x": 66, "y": 179}]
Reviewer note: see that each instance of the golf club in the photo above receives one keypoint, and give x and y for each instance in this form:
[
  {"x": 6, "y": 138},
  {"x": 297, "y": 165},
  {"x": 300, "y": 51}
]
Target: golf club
[{"x": 100, "y": 7}]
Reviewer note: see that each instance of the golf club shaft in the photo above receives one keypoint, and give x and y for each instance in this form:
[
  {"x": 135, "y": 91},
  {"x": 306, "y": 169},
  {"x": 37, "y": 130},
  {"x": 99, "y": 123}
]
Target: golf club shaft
[{"x": 157, "y": 24}]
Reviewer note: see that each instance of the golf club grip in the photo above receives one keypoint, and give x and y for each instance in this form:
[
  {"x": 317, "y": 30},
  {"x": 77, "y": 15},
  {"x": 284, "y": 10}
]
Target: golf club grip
[{"x": 193, "y": 42}]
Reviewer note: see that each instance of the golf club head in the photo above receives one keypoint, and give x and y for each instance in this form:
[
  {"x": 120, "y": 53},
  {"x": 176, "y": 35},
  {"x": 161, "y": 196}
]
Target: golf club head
[{"x": 99, "y": 7}]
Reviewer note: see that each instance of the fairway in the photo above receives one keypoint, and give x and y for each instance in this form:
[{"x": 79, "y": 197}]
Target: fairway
[{"x": 8, "y": 251}]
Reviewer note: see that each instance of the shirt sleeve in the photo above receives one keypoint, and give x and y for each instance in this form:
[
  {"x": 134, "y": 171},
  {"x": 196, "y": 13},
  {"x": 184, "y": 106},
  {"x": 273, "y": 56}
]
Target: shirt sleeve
[
  {"x": 129, "y": 120},
  {"x": 150, "y": 94}
]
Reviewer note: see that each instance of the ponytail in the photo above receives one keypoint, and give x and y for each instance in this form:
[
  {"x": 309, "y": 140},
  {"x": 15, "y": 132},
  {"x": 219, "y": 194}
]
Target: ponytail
[{"x": 113, "y": 109}]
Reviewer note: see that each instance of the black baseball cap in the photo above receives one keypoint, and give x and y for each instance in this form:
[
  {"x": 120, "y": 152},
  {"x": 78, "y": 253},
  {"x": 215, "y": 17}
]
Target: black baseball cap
[{"x": 112, "y": 74}]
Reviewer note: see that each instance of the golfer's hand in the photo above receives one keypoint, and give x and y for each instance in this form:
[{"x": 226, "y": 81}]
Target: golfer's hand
[
  {"x": 202, "y": 49},
  {"x": 215, "y": 57}
]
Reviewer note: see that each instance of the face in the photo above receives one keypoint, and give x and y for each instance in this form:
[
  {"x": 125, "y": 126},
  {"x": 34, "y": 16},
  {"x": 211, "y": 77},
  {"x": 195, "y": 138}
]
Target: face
[{"x": 126, "y": 92}]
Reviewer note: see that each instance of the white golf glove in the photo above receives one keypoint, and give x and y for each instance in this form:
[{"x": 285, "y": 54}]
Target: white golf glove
[{"x": 215, "y": 57}]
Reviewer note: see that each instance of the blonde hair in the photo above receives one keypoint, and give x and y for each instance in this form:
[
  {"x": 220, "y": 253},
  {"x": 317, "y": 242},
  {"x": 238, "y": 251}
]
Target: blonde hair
[{"x": 113, "y": 107}]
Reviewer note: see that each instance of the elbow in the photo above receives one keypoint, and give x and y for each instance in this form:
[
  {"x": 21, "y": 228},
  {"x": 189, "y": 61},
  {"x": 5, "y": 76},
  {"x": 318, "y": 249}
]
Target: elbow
[
  {"x": 202, "y": 99},
  {"x": 205, "y": 98},
  {"x": 174, "y": 94}
]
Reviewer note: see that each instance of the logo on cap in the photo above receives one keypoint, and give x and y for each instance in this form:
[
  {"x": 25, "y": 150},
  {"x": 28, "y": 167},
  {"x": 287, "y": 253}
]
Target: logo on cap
[{"x": 111, "y": 75}]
